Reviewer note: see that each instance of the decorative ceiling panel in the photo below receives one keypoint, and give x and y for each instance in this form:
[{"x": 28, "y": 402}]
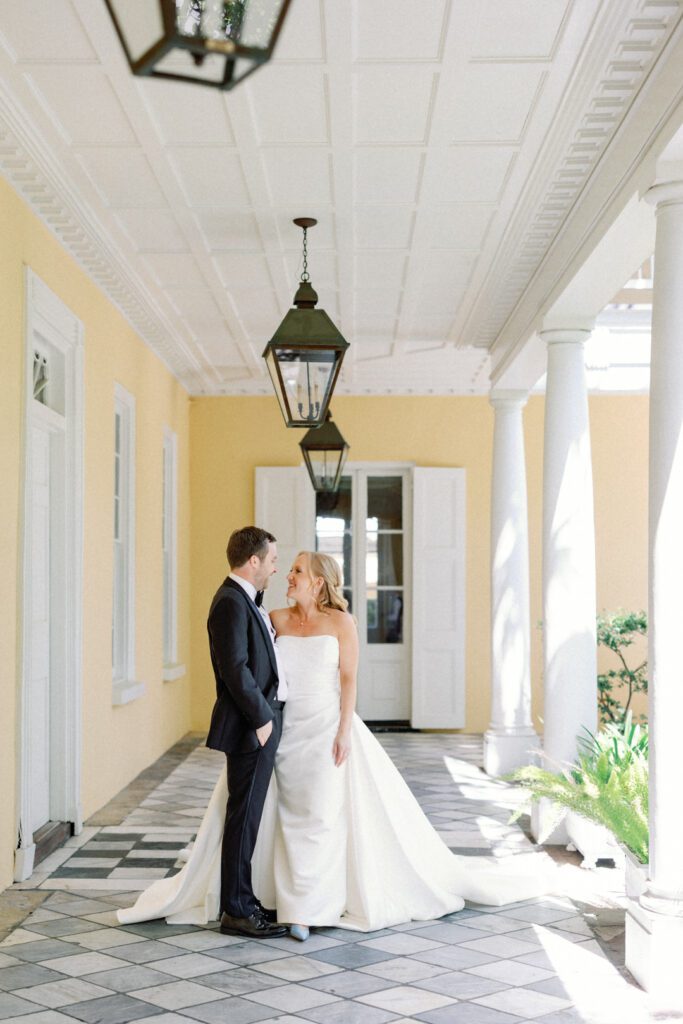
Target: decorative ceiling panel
[
  {"x": 471, "y": 174},
  {"x": 122, "y": 176},
  {"x": 184, "y": 116},
  {"x": 302, "y": 38},
  {"x": 244, "y": 270},
  {"x": 298, "y": 175},
  {"x": 152, "y": 230},
  {"x": 37, "y": 31},
  {"x": 443, "y": 148},
  {"x": 383, "y": 227},
  {"x": 209, "y": 176},
  {"x": 223, "y": 229},
  {"x": 174, "y": 270},
  {"x": 392, "y": 103},
  {"x": 496, "y": 102},
  {"x": 292, "y": 113},
  {"x": 390, "y": 175},
  {"x": 518, "y": 29},
  {"x": 397, "y": 30},
  {"x": 97, "y": 117},
  {"x": 457, "y": 225},
  {"x": 380, "y": 269}
]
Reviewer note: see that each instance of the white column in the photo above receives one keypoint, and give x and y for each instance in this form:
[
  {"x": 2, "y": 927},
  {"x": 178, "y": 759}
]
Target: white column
[
  {"x": 654, "y": 928},
  {"x": 569, "y": 656},
  {"x": 510, "y": 736}
]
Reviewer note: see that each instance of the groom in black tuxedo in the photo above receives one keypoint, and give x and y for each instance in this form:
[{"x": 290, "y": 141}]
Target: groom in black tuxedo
[{"x": 246, "y": 722}]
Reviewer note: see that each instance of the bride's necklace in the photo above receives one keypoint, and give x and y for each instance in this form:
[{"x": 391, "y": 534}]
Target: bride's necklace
[{"x": 301, "y": 622}]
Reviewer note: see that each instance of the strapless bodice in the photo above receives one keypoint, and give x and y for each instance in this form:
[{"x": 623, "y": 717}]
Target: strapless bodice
[{"x": 311, "y": 664}]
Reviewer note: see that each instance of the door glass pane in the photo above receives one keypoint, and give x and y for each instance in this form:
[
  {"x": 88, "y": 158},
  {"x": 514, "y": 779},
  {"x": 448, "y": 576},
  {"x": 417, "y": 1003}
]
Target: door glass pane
[
  {"x": 336, "y": 506},
  {"x": 333, "y": 528},
  {"x": 384, "y": 559},
  {"x": 385, "y": 502},
  {"x": 385, "y": 616}
]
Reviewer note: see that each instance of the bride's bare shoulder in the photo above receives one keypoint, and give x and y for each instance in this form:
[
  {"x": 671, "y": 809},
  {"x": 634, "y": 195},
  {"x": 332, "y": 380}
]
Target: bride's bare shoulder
[
  {"x": 343, "y": 621},
  {"x": 279, "y": 615}
]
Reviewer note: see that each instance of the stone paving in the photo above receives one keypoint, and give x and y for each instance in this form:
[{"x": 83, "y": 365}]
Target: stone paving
[{"x": 554, "y": 960}]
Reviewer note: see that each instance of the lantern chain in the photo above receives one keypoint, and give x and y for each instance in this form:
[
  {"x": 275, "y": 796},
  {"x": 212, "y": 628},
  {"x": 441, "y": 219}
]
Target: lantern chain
[{"x": 305, "y": 276}]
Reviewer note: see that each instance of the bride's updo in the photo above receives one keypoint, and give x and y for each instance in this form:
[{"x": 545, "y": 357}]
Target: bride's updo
[{"x": 325, "y": 567}]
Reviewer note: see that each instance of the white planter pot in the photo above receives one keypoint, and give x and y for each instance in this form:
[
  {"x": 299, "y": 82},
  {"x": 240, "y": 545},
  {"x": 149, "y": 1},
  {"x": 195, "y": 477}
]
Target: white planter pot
[
  {"x": 635, "y": 874},
  {"x": 593, "y": 842}
]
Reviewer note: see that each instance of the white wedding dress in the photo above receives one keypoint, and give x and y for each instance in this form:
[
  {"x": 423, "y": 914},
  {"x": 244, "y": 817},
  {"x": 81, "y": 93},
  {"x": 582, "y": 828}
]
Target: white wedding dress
[{"x": 347, "y": 847}]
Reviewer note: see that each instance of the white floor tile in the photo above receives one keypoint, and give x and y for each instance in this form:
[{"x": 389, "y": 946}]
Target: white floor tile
[
  {"x": 523, "y": 1002},
  {"x": 406, "y": 1000}
]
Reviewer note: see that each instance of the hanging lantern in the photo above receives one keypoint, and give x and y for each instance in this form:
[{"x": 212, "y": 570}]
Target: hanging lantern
[
  {"x": 212, "y": 42},
  {"x": 305, "y": 354},
  {"x": 324, "y": 450}
]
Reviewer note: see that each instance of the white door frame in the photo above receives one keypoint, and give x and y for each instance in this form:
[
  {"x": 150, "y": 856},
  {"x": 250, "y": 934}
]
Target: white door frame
[
  {"x": 47, "y": 317},
  {"x": 373, "y": 653}
]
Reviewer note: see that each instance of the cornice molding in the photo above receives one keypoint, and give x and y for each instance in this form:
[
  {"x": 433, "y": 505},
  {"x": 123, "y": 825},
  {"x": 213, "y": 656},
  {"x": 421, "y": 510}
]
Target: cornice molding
[
  {"x": 564, "y": 170},
  {"x": 31, "y": 169}
]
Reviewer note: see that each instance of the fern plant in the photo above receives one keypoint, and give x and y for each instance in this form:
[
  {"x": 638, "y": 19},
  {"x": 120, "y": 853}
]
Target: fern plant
[{"x": 607, "y": 784}]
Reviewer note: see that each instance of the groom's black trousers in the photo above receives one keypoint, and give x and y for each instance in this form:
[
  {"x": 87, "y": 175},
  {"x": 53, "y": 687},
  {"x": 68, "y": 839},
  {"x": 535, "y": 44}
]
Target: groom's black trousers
[{"x": 248, "y": 779}]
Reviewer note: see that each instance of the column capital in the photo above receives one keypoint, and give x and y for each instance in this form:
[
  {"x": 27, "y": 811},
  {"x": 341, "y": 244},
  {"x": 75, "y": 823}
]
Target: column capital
[
  {"x": 668, "y": 193},
  {"x": 565, "y": 335},
  {"x": 508, "y": 398}
]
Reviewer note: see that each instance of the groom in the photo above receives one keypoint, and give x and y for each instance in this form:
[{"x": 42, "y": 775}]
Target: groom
[{"x": 246, "y": 721}]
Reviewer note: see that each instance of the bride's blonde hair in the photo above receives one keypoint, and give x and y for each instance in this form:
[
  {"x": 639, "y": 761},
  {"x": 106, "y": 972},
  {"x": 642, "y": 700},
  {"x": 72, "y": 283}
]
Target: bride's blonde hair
[{"x": 326, "y": 568}]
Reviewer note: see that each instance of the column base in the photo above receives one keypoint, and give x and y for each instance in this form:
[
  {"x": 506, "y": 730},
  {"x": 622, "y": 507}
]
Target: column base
[
  {"x": 653, "y": 956},
  {"x": 505, "y": 751}
]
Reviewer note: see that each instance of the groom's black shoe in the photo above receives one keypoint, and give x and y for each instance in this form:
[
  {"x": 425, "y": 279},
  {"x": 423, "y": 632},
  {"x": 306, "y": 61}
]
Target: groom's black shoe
[
  {"x": 265, "y": 912},
  {"x": 254, "y": 927}
]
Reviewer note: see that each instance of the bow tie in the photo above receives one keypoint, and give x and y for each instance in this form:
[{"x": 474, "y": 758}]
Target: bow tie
[{"x": 258, "y": 600}]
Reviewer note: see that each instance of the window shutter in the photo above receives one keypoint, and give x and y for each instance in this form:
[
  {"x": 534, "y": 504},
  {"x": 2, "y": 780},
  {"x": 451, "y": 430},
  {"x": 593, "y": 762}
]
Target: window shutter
[
  {"x": 438, "y": 646},
  {"x": 285, "y": 505}
]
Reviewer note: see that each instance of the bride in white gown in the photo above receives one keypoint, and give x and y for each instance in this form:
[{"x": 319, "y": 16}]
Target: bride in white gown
[{"x": 342, "y": 841}]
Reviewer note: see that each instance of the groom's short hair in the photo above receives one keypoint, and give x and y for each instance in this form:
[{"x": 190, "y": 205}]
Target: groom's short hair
[{"x": 244, "y": 543}]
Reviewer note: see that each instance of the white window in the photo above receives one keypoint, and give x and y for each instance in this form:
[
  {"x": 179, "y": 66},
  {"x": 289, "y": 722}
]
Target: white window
[
  {"x": 123, "y": 609},
  {"x": 169, "y": 544}
]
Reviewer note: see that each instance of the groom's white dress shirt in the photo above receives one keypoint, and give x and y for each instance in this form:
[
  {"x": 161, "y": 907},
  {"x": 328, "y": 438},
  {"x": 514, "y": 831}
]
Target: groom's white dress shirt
[{"x": 250, "y": 590}]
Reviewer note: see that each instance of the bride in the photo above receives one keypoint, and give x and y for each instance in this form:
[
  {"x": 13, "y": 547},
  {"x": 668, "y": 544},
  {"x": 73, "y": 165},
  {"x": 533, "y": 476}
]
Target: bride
[{"x": 342, "y": 841}]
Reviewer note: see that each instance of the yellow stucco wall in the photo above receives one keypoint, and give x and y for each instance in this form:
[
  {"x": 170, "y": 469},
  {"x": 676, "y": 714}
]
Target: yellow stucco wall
[
  {"x": 117, "y": 742},
  {"x": 230, "y": 436}
]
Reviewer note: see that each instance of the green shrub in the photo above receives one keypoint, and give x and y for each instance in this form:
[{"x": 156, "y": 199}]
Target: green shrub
[
  {"x": 608, "y": 784},
  {"x": 617, "y": 632}
]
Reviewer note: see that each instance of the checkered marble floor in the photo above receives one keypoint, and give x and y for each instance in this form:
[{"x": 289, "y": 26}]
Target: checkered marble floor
[{"x": 554, "y": 960}]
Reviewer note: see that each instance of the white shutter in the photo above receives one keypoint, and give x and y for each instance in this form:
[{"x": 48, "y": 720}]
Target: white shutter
[
  {"x": 285, "y": 505},
  {"x": 438, "y": 645}
]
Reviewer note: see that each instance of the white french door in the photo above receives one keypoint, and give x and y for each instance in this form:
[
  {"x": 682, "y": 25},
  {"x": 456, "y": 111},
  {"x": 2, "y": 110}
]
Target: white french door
[
  {"x": 366, "y": 527},
  {"x": 51, "y": 587},
  {"x": 399, "y": 536}
]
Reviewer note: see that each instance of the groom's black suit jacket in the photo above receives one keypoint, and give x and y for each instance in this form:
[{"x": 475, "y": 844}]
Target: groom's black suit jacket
[{"x": 245, "y": 667}]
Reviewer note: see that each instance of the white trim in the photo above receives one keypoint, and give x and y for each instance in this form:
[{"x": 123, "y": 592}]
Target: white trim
[
  {"x": 172, "y": 672},
  {"x": 170, "y": 551},
  {"x": 48, "y": 317},
  {"x": 125, "y": 691},
  {"x": 124, "y": 403}
]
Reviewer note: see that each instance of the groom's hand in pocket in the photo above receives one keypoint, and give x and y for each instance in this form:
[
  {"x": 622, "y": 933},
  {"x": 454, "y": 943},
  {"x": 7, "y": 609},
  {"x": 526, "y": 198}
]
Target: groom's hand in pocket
[{"x": 263, "y": 733}]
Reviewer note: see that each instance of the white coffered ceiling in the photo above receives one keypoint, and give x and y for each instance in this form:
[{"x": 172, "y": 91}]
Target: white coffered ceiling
[{"x": 442, "y": 146}]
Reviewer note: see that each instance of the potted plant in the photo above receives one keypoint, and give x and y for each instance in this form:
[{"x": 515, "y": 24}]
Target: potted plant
[{"x": 607, "y": 784}]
